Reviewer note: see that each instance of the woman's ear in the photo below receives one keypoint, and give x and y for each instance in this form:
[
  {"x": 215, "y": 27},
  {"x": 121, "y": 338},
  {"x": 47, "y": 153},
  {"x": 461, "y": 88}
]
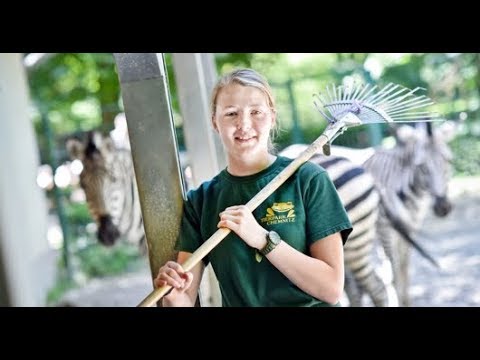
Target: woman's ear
[{"x": 214, "y": 124}]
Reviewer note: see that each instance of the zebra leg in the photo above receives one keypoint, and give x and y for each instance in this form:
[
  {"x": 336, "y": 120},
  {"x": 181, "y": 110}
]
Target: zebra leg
[
  {"x": 360, "y": 263},
  {"x": 374, "y": 286},
  {"x": 353, "y": 291},
  {"x": 209, "y": 291},
  {"x": 389, "y": 256},
  {"x": 403, "y": 273}
]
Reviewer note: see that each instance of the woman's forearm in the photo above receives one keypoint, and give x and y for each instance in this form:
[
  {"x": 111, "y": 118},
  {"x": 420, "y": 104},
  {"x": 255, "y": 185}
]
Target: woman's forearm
[{"x": 314, "y": 276}]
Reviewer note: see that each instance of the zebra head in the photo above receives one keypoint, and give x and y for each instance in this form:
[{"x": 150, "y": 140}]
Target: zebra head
[
  {"x": 431, "y": 157},
  {"x": 96, "y": 179}
]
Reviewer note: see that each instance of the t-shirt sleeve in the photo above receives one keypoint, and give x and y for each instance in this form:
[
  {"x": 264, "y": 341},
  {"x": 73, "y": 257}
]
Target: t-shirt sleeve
[
  {"x": 325, "y": 213},
  {"x": 189, "y": 237}
]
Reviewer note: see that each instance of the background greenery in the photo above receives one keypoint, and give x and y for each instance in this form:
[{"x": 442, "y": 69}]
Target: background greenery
[
  {"x": 73, "y": 93},
  {"x": 80, "y": 92}
]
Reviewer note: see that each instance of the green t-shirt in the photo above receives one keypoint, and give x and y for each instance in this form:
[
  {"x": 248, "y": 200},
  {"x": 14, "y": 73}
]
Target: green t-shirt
[{"x": 304, "y": 209}]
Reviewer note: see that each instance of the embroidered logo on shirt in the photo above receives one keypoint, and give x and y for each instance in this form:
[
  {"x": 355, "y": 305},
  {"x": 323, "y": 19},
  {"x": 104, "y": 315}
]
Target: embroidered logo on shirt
[{"x": 282, "y": 212}]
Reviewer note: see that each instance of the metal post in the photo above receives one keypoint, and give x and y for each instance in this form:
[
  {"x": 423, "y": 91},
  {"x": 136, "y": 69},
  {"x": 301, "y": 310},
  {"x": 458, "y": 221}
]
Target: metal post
[
  {"x": 374, "y": 130},
  {"x": 57, "y": 195},
  {"x": 153, "y": 142},
  {"x": 195, "y": 80},
  {"x": 195, "y": 76},
  {"x": 297, "y": 136},
  {"x": 27, "y": 262}
]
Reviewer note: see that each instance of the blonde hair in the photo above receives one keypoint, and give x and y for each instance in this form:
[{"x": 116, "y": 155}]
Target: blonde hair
[{"x": 246, "y": 77}]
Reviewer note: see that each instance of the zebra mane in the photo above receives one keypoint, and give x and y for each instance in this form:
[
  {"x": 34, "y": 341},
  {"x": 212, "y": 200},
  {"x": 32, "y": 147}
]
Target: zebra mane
[{"x": 387, "y": 164}]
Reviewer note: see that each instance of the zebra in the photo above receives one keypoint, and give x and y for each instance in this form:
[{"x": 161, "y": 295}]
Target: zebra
[
  {"x": 361, "y": 200},
  {"x": 109, "y": 184},
  {"x": 401, "y": 179},
  {"x": 110, "y": 188},
  {"x": 409, "y": 176}
]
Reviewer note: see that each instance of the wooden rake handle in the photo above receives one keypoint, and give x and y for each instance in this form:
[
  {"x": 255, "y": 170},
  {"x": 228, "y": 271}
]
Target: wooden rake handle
[{"x": 261, "y": 196}]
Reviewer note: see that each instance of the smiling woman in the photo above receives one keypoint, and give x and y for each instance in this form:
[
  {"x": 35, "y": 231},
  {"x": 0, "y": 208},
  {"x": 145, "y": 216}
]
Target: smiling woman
[{"x": 281, "y": 254}]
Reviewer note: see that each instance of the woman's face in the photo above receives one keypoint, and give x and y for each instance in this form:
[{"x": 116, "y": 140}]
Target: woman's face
[{"x": 243, "y": 119}]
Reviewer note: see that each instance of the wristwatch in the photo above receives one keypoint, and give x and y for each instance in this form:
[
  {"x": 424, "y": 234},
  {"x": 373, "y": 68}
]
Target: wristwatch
[{"x": 273, "y": 239}]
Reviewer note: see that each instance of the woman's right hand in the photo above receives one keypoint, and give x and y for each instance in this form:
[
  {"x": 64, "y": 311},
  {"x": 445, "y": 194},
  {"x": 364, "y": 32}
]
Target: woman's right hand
[{"x": 172, "y": 274}]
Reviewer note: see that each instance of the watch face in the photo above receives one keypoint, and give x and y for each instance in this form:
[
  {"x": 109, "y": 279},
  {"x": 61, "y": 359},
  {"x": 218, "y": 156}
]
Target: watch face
[{"x": 274, "y": 237}]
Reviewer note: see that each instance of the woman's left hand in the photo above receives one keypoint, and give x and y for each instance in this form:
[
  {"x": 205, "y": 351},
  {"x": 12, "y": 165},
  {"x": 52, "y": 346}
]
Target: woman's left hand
[{"x": 240, "y": 220}]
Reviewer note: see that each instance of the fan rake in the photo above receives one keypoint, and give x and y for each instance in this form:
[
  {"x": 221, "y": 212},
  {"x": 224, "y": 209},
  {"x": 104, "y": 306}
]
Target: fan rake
[
  {"x": 351, "y": 104},
  {"x": 344, "y": 107}
]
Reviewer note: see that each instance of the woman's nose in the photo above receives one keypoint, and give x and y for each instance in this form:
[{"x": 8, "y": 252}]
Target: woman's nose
[{"x": 244, "y": 122}]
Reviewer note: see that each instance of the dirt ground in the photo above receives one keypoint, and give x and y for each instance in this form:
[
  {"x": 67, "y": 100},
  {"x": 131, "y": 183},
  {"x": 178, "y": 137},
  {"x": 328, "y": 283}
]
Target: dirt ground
[{"x": 453, "y": 241}]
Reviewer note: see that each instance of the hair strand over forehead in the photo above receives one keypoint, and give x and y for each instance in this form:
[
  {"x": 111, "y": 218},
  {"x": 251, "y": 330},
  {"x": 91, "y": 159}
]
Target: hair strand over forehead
[{"x": 244, "y": 77}]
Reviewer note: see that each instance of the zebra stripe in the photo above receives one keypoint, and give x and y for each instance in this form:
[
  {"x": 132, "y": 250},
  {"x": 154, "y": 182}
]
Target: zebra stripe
[
  {"x": 361, "y": 200},
  {"x": 408, "y": 177},
  {"x": 110, "y": 187},
  {"x": 123, "y": 199}
]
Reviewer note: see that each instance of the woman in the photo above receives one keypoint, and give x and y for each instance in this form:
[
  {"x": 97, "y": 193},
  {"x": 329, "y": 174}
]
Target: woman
[{"x": 289, "y": 251}]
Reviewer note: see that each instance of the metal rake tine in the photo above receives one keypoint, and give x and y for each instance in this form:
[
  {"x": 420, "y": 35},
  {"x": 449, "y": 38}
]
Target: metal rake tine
[
  {"x": 412, "y": 113},
  {"x": 319, "y": 97},
  {"x": 411, "y": 92},
  {"x": 409, "y": 102},
  {"x": 382, "y": 100},
  {"x": 329, "y": 94},
  {"x": 330, "y": 120},
  {"x": 421, "y": 120},
  {"x": 364, "y": 88},
  {"x": 365, "y": 97},
  {"x": 411, "y": 116},
  {"x": 386, "y": 103},
  {"x": 355, "y": 93},
  {"x": 409, "y": 108},
  {"x": 412, "y": 105},
  {"x": 344, "y": 92},
  {"x": 385, "y": 91}
]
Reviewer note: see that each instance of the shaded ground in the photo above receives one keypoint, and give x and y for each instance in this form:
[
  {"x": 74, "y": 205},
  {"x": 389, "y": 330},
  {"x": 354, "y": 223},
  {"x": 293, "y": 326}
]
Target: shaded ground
[
  {"x": 122, "y": 291},
  {"x": 454, "y": 241}
]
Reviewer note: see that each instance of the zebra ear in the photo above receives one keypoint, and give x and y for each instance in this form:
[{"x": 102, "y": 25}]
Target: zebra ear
[
  {"x": 405, "y": 134},
  {"x": 108, "y": 145},
  {"x": 75, "y": 149},
  {"x": 447, "y": 131}
]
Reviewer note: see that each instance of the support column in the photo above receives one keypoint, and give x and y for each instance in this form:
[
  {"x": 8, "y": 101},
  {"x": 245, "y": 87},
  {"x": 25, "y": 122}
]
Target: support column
[
  {"x": 195, "y": 76},
  {"x": 154, "y": 150},
  {"x": 27, "y": 264}
]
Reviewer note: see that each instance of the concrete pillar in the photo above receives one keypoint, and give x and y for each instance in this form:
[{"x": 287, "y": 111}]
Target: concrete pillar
[
  {"x": 154, "y": 151},
  {"x": 195, "y": 76},
  {"x": 27, "y": 264}
]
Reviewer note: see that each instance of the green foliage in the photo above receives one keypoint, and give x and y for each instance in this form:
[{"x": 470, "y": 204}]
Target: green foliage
[
  {"x": 466, "y": 159},
  {"x": 227, "y": 61},
  {"x": 77, "y": 91},
  {"x": 97, "y": 260},
  {"x": 88, "y": 258},
  {"x": 405, "y": 73},
  {"x": 80, "y": 92},
  {"x": 60, "y": 288},
  {"x": 77, "y": 213}
]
